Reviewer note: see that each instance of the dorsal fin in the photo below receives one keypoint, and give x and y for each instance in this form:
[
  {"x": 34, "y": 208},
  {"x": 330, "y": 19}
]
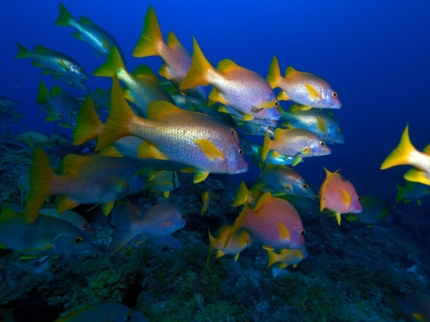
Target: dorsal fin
[
  {"x": 225, "y": 66},
  {"x": 290, "y": 71},
  {"x": 160, "y": 109}
]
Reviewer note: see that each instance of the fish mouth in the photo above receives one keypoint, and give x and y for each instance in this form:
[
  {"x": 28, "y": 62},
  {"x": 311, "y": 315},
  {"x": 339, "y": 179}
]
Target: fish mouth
[{"x": 244, "y": 169}]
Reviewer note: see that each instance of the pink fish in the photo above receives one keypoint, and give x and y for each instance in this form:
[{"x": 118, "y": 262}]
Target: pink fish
[
  {"x": 273, "y": 222},
  {"x": 338, "y": 195}
]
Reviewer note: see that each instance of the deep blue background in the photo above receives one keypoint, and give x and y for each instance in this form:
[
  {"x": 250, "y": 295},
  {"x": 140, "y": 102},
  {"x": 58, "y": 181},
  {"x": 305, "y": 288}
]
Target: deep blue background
[{"x": 374, "y": 53}]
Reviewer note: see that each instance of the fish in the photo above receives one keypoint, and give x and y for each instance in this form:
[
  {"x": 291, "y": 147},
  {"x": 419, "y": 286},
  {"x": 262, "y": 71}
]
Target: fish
[
  {"x": 159, "y": 221},
  {"x": 375, "y": 210},
  {"x": 33, "y": 138},
  {"x": 190, "y": 138},
  {"x": 416, "y": 305},
  {"x": 255, "y": 126},
  {"x": 281, "y": 180},
  {"x": 235, "y": 246},
  {"x": 52, "y": 61},
  {"x": 92, "y": 179},
  {"x": 70, "y": 216},
  {"x": 142, "y": 85},
  {"x": 62, "y": 106},
  {"x": 412, "y": 191},
  {"x": 206, "y": 199},
  {"x": 406, "y": 154},
  {"x": 242, "y": 89},
  {"x": 6, "y": 102},
  {"x": 295, "y": 143},
  {"x": 72, "y": 82},
  {"x": 176, "y": 59},
  {"x": 286, "y": 257},
  {"x": 322, "y": 122},
  {"x": 162, "y": 181},
  {"x": 87, "y": 31},
  {"x": 10, "y": 116},
  {"x": 103, "y": 312},
  {"x": 273, "y": 223},
  {"x": 44, "y": 236},
  {"x": 338, "y": 195},
  {"x": 302, "y": 88}
]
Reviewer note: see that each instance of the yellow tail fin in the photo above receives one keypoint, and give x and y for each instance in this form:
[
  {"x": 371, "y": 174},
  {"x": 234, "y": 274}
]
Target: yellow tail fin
[
  {"x": 41, "y": 177},
  {"x": 113, "y": 64},
  {"x": 88, "y": 125},
  {"x": 274, "y": 75},
  {"x": 266, "y": 146},
  {"x": 400, "y": 154},
  {"x": 151, "y": 38},
  {"x": 118, "y": 123},
  {"x": 198, "y": 73}
]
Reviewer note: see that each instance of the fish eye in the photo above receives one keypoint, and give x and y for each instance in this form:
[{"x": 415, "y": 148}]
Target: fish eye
[
  {"x": 334, "y": 94},
  {"x": 305, "y": 186},
  {"x": 277, "y": 103},
  {"x": 80, "y": 69},
  {"x": 270, "y": 128},
  {"x": 233, "y": 131},
  {"x": 339, "y": 130},
  {"x": 86, "y": 226},
  {"x": 72, "y": 113},
  {"x": 302, "y": 232},
  {"x": 240, "y": 151},
  {"x": 182, "y": 216},
  {"x": 322, "y": 143},
  {"x": 358, "y": 198},
  {"x": 78, "y": 240}
]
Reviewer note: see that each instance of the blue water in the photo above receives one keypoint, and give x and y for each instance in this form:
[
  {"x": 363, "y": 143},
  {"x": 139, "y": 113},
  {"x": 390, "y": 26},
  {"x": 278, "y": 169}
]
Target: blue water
[{"x": 375, "y": 54}]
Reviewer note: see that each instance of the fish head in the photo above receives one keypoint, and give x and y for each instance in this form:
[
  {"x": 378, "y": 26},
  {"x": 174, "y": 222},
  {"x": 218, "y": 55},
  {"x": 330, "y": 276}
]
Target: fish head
[
  {"x": 329, "y": 97},
  {"x": 356, "y": 206},
  {"x": 80, "y": 83},
  {"x": 170, "y": 217},
  {"x": 319, "y": 147},
  {"x": 73, "y": 242},
  {"x": 234, "y": 160},
  {"x": 301, "y": 188},
  {"x": 88, "y": 229},
  {"x": 335, "y": 134},
  {"x": 76, "y": 70}
]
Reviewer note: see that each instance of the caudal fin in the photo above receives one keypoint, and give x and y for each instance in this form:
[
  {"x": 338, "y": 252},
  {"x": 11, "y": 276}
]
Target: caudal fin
[
  {"x": 266, "y": 147},
  {"x": 23, "y": 52},
  {"x": 88, "y": 125},
  {"x": 199, "y": 71},
  {"x": 273, "y": 258},
  {"x": 400, "y": 154},
  {"x": 41, "y": 178},
  {"x": 118, "y": 123},
  {"x": 114, "y": 64},
  {"x": 64, "y": 18},
  {"x": 151, "y": 38},
  {"x": 274, "y": 75},
  {"x": 124, "y": 232}
]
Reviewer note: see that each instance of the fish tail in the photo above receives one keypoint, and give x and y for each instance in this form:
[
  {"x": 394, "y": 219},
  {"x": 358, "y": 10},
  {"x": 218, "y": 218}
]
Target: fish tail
[
  {"x": 238, "y": 223},
  {"x": 124, "y": 232},
  {"x": 199, "y": 71},
  {"x": 400, "y": 155},
  {"x": 118, "y": 123},
  {"x": 211, "y": 247},
  {"x": 274, "y": 75},
  {"x": 266, "y": 146},
  {"x": 65, "y": 18},
  {"x": 23, "y": 52},
  {"x": 242, "y": 195},
  {"x": 400, "y": 193},
  {"x": 273, "y": 258},
  {"x": 88, "y": 125},
  {"x": 151, "y": 38},
  {"x": 41, "y": 179},
  {"x": 43, "y": 94},
  {"x": 114, "y": 64}
]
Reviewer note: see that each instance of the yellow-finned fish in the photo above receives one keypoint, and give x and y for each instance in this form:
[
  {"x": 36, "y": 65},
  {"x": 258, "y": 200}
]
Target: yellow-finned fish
[
  {"x": 338, "y": 195},
  {"x": 286, "y": 257},
  {"x": 233, "y": 85},
  {"x": 45, "y": 236},
  {"x": 273, "y": 223},
  {"x": 234, "y": 246},
  {"x": 303, "y": 88},
  {"x": 406, "y": 153},
  {"x": 177, "y": 60},
  {"x": 193, "y": 139},
  {"x": 85, "y": 180}
]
